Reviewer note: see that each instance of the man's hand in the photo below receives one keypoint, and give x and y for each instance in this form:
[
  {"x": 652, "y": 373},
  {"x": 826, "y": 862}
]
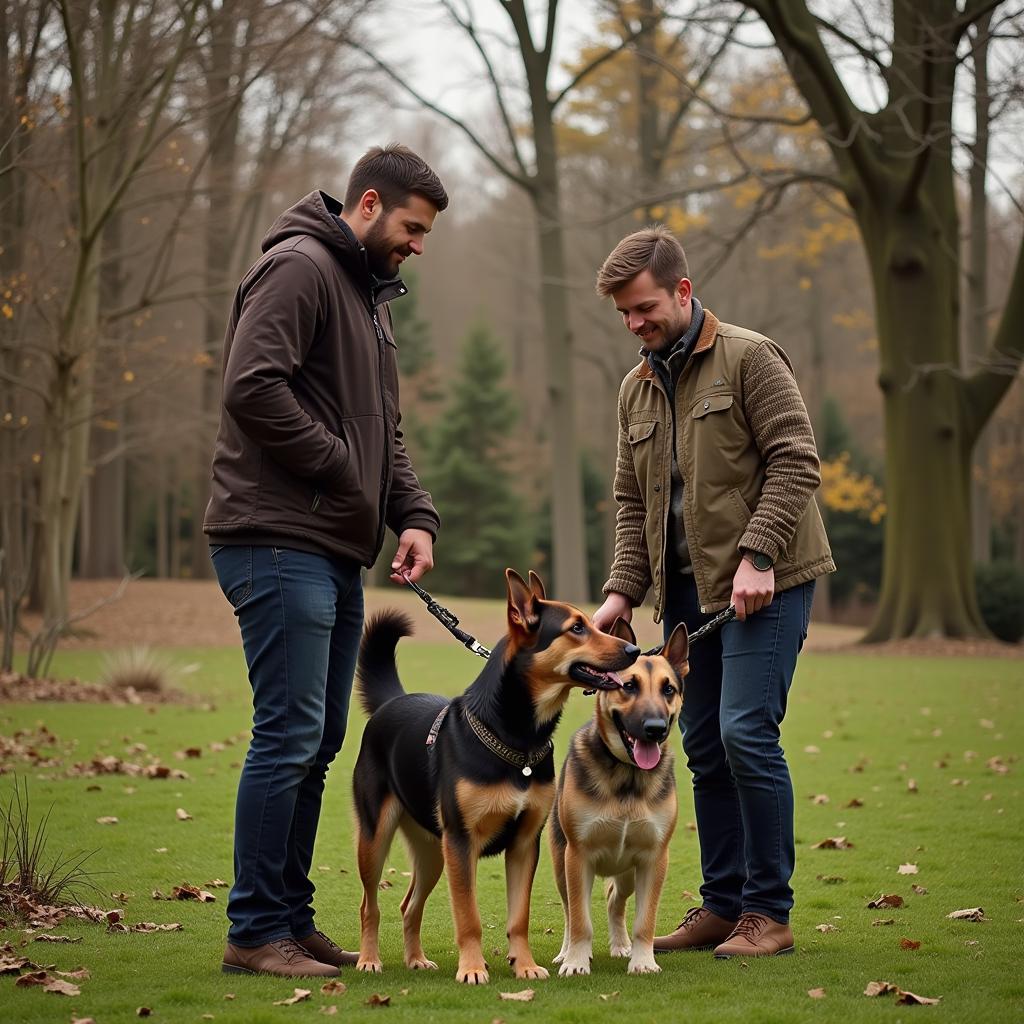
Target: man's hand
[
  {"x": 752, "y": 589},
  {"x": 616, "y": 605},
  {"x": 415, "y": 555}
]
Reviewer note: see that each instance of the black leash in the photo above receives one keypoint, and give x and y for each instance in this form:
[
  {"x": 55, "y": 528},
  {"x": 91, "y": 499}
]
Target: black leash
[{"x": 451, "y": 623}]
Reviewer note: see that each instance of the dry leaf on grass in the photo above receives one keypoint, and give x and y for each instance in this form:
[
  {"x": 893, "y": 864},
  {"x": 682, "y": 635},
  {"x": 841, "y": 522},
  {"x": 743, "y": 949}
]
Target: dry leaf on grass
[
  {"x": 816, "y": 993},
  {"x": 107, "y": 819},
  {"x": 687, "y": 895},
  {"x": 997, "y": 765},
  {"x": 334, "y": 988},
  {"x": 907, "y": 869},
  {"x": 39, "y": 977},
  {"x": 182, "y": 815},
  {"x": 185, "y": 891},
  {"x": 912, "y": 999},
  {"x": 855, "y": 802},
  {"x": 378, "y": 1000},
  {"x": 910, "y": 944},
  {"x": 525, "y": 996},
  {"x": 60, "y": 987},
  {"x": 885, "y": 902},
  {"x": 820, "y": 798},
  {"x": 143, "y": 1011},
  {"x": 970, "y": 914},
  {"x": 216, "y": 883},
  {"x": 919, "y": 890},
  {"x": 825, "y": 928},
  {"x": 385, "y": 884},
  {"x": 82, "y": 1020},
  {"x": 607, "y": 997},
  {"x": 14, "y": 964},
  {"x": 831, "y": 879},
  {"x": 833, "y": 843},
  {"x": 880, "y": 922},
  {"x": 912, "y": 786},
  {"x": 329, "y": 1011},
  {"x": 145, "y": 928},
  {"x": 880, "y": 988},
  {"x": 56, "y": 938},
  {"x": 299, "y": 995},
  {"x": 811, "y": 749}
]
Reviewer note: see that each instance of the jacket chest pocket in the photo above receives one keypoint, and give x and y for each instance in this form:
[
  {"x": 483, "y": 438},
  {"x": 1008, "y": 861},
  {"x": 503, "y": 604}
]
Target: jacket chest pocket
[{"x": 645, "y": 446}]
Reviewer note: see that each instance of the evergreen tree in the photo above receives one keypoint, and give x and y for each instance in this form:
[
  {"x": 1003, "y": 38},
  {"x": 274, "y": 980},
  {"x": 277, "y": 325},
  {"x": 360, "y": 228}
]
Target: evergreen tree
[{"x": 484, "y": 527}]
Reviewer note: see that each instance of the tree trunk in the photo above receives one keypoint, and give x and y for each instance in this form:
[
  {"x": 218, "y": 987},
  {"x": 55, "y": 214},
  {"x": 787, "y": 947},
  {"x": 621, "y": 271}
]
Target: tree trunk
[{"x": 817, "y": 392}]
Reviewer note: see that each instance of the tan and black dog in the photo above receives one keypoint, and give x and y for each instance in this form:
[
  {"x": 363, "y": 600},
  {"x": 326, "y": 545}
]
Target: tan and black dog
[
  {"x": 472, "y": 777},
  {"x": 615, "y": 809}
]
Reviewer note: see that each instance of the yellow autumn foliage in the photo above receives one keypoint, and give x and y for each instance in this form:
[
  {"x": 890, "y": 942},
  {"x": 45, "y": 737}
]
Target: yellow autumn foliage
[{"x": 845, "y": 490}]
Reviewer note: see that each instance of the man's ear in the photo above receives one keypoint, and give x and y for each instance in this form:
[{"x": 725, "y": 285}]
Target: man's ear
[
  {"x": 522, "y": 610},
  {"x": 537, "y": 586},
  {"x": 623, "y": 630},
  {"x": 677, "y": 650}
]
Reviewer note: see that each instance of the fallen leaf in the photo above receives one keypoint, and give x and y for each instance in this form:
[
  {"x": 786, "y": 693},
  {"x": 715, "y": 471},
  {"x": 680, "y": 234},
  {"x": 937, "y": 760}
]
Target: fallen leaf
[
  {"x": 919, "y": 890},
  {"x": 986, "y": 723},
  {"x": 912, "y": 786},
  {"x": 32, "y": 978},
  {"x": 907, "y": 869},
  {"x": 816, "y": 993},
  {"x": 385, "y": 884},
  {"x": 831, "y": 879},
  {"x": 690, "y": 826},
  {"x": 811, "y": 749},
  {"x": 60, "y": 987},
  {"x": 526, "y": 996},
  {"x": 880, "y": 988},
  {"x": 107, "y": 819},
  {"x": 186, "y": 891},
  {"x": 959, "y": 782},
  {"x": 820, "y": 798},
  {"x": 970, "y": 914},
  {"x": 299, "y": 995},
  {"x": 911, "y": 999},
  {"x": 207, "y": 1016},
  {"x": 216, "y": 883},
  {"x": 885, "y": 902},
  {"x": 855, "y": 802},
  {"x": 825, "y": 928},
  {"x": 910, "y": 944},
  {"x": 997, "y": 765},
  {"x": 334, "y": 988},
  {"x": 378, "y": 1000},
  {"x": 13, "y": 964},
  {"x": 56, "y": 938},
  {"x": 881, "y": 922},
  {"x": 687, "y": 895},
  {"x": 143, "y": 1011},
  {"x": 329, "y": 1011},
  {"x": 833, "y": 843},
  {"x": 182, "y": 815},
  {"x": 82, "y": 1020},
  {"x": 607, "y": 997},
  {"x": 229, "y": 995}
]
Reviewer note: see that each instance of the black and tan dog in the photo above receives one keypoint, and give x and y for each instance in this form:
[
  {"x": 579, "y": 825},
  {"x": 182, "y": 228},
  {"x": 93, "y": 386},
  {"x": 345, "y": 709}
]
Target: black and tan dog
[
  {"x": 615, "y": 809},
  {"x": 473, "y": 777}
]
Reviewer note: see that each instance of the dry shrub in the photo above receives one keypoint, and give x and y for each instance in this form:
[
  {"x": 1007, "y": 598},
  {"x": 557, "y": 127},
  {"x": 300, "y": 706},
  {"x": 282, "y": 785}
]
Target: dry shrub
[{"x": 138, "y": 668}]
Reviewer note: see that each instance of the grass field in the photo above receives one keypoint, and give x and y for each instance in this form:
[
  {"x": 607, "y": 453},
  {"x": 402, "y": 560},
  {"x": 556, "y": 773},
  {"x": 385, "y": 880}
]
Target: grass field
[{"x": 858, "y": 728}]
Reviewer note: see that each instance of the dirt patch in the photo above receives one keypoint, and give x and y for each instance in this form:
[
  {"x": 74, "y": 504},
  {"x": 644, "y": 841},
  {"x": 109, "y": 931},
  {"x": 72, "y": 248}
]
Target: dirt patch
[{"x": 194, "y": 613}]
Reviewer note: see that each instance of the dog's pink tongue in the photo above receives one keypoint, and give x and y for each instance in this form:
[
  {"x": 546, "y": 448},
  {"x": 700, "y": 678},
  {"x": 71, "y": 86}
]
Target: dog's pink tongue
[{"x": 646, "y": 753}]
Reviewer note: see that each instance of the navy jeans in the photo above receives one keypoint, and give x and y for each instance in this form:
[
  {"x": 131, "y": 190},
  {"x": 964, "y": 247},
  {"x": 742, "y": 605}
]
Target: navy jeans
[
  {"x": 301, "y": 617},
  {"x": 735, "y": 700}
]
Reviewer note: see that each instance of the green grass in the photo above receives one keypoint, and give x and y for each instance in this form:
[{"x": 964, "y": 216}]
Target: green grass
[{"x": 895, "y": 718}]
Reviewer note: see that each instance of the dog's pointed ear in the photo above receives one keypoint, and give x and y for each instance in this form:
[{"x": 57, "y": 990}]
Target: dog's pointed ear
[
  {"x": 522, "y": 611},
  {"x": 537, "y": 586},
  {"x": 623, "y": 630},
  {"x": 677, "y": 650}
]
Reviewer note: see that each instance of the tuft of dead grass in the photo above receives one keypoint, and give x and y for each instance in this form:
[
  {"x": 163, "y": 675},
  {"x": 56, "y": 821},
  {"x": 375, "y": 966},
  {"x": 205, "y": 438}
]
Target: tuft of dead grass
[{"x": 138, "y": 668}]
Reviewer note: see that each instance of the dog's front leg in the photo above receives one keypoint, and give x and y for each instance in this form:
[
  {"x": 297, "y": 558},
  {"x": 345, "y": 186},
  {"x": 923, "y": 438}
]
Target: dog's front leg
[
  {"x": 460, "y": 859},
  {"x": 650, "y": 877},
  {"x": 579, "y": 882},
  {"x": 520, "y": 867}
]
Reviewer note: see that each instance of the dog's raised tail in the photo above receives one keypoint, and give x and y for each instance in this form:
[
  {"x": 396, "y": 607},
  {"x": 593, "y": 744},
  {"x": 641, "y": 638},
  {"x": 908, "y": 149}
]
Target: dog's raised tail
[{"x": 376, "y": 672}]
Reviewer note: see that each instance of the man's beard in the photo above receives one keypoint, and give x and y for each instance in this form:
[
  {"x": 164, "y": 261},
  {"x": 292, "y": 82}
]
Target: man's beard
[{"x": 379, "y": 251}]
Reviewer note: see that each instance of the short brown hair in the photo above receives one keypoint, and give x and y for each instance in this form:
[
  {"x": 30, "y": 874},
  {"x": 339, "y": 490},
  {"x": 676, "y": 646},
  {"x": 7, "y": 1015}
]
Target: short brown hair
[
  {"x": 654, "y": 248},
  {"x": 394, "y": 172}
]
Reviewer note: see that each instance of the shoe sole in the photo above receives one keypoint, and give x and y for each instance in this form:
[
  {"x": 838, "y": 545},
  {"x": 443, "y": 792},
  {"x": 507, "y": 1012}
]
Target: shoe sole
[
  {"x": 779, "y": 952},
  {"x": 234, "y": 969},
  {"x": 687, "y": 949}
]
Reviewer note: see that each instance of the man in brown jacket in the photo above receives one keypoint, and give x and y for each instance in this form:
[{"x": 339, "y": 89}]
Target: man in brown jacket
[
  {"x": 715, "y": 477},
  {"x": 309, "y": 468}
]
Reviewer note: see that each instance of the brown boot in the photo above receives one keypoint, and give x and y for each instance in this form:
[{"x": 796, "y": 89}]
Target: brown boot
[
  {"x": 327, "y": 951},
  {"x": 700, "y": 929},
  {"x": 284, "y": 957},
  {"x": 756, "y": 935}
]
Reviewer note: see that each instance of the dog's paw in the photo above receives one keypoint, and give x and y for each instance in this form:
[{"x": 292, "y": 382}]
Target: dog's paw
[
  {"x": 472, "y": 976},
  {"x": 570, "y": 968},
  {"x": 558, "y": 957},
  {"x": 643, "y": 966},
  {"x": 532, "y": 971},
  {"x": 620, "y": 952},
  {"x": 370, "y": 966},
  {"x": 421, "y": 963}
]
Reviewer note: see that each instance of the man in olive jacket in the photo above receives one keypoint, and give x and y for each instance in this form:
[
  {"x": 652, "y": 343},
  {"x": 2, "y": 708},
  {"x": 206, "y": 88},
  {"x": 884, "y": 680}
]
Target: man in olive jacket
[
  {"x": 308, "y": 470},
  {"x": 715, "y": 477}
]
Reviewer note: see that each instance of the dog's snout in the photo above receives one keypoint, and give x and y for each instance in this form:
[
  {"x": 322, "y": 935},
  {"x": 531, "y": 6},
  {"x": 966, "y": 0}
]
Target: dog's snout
[
  {"x": 632, "y": 650},
  {"x": 655, "y": 728}
]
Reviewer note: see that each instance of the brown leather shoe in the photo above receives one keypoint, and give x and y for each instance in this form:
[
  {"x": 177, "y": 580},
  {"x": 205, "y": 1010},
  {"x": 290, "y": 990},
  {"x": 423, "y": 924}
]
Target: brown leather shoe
[
  {"x": 699, "y": 929},
  {"x": 327, "y": 951},
  {"x": 756, "y": 935},
  {"x": 284, "y": 957}
]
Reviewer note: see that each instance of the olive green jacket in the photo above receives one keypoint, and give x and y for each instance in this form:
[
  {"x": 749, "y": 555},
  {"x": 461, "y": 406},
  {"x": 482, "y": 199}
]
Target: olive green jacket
[{"x": 747, "y": 458}]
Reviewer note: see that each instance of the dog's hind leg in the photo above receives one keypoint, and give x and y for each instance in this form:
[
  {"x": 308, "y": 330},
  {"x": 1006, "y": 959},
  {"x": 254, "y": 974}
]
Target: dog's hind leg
[
  {"x": 616, "y": 892},
  {"x": 520, "y": 867},
  {"x": 650, "y": 877},
  {"x": 371, "y": 851},
  {"x": 427, "y": 865}
]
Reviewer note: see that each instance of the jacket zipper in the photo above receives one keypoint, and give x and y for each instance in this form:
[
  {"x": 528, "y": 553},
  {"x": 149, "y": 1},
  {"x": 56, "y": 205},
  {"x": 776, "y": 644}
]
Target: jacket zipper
[{"x": 386, "y": 468}]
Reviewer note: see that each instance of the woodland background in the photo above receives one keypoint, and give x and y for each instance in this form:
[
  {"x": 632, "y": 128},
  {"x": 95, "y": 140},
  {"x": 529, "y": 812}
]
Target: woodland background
[{"x": 846, "y": 178}]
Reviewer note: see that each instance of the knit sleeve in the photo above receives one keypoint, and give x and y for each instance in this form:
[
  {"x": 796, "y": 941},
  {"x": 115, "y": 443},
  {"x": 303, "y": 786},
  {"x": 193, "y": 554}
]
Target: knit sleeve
[
  {"x": 631, "y": 570},
  {"x": 782, "y": 432}
]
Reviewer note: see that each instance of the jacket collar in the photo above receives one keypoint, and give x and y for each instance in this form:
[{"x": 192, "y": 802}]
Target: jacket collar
[{"x": 706, "y": 340}]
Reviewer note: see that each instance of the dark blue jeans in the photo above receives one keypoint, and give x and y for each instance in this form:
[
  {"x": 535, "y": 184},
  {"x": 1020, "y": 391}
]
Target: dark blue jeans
[
  {"x": 301, "y": 616},
  {"x": 734, "y": 703}
]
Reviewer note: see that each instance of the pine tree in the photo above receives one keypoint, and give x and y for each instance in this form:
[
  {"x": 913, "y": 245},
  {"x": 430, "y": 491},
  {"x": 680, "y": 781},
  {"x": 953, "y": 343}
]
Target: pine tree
[{"x": 484, "y": 527}]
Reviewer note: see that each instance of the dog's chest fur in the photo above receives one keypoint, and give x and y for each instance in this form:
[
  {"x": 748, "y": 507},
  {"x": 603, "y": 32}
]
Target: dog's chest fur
[{"x": 488, "y": 810}]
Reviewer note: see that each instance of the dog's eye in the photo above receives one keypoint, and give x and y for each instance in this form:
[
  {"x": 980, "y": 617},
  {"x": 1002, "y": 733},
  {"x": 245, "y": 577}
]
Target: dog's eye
[
  {"x": 578, "y": 628},
  {"x": 630, "y": 686},
  {"x": 668, "y": 691}
]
